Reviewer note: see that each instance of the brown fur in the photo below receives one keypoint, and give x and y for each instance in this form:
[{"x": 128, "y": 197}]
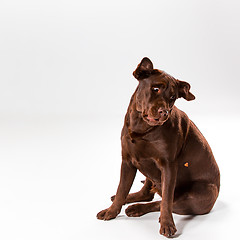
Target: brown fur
[{"x": 161, "y": 141}]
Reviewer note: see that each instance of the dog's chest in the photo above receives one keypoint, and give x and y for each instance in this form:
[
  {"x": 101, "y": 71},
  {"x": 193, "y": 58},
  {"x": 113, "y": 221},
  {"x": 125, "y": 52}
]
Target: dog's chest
[
  {"x": 148, "y": 167},
  {"x": 145, "y": 155},
  {"x": 143, "y": 148}
]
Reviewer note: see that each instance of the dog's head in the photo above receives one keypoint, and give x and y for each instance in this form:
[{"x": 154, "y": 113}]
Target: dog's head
[{"x": 157, "y": 92}]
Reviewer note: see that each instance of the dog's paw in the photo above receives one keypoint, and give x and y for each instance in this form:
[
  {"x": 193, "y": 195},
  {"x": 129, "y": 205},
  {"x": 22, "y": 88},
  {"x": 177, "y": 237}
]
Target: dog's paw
[
  {"x": 107, "y": 214},
  {"x": 134, "y": 210},
  {"x": 168, "y": 229}
]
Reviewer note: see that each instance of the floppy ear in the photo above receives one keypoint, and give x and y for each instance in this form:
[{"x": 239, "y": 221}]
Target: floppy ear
[
  {"x": 144, "y": 69},
  {"x": 183, "y": 90}
]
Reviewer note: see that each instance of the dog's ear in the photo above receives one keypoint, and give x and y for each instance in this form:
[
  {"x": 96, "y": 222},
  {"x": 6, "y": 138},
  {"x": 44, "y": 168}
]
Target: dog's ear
[
  {"x": 144, "y": 69},
  {"x": 183, "y": 90}
]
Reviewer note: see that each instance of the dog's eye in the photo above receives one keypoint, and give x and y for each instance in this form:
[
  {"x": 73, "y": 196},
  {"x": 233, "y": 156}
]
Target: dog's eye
[
  {"x": 173, "y": 97},
  {"x": 156, "y": 89}
]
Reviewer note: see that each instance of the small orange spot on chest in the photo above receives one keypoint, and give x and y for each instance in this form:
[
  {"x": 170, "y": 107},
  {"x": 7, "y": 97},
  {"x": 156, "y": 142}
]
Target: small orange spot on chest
[{"x": 186, "y": 164}]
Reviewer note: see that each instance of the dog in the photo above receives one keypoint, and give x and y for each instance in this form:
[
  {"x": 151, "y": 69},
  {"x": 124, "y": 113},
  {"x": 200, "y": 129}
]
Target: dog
[{"x": 162, "y": 143}]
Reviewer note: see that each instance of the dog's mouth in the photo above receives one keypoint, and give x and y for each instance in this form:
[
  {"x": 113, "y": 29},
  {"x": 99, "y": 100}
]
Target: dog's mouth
[{"x": 153, "y": 121}]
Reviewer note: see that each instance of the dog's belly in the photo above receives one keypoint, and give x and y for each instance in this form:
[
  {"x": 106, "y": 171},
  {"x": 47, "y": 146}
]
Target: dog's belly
[{"x": 148, "y": 168}]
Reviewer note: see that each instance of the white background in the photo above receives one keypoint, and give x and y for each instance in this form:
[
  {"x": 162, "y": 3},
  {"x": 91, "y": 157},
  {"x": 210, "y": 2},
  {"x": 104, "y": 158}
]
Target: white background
[{"x": 65, "y": 83}]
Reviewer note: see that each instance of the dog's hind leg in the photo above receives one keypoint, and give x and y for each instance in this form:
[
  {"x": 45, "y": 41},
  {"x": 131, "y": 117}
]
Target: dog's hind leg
[
  {"x": 198, "y": 199},
  {"x": 144, "y": 195},
  {"x": 139, "y": 209}
]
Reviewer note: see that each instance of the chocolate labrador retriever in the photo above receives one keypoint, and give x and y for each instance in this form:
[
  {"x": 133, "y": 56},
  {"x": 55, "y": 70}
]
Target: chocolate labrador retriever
[{"x": 161, "y": 142}]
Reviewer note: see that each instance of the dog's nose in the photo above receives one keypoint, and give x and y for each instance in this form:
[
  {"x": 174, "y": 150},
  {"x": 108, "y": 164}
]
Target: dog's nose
[{"x": 163, "y": 113}]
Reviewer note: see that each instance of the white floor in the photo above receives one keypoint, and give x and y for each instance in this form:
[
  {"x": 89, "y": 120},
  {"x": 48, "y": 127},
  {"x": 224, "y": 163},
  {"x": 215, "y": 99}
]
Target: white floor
[{"x": 56, "y": 173}]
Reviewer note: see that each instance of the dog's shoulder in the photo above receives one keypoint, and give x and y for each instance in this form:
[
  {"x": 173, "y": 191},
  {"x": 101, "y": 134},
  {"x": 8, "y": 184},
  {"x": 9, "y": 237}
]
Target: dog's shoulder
[{"x": 179, "y": 117}]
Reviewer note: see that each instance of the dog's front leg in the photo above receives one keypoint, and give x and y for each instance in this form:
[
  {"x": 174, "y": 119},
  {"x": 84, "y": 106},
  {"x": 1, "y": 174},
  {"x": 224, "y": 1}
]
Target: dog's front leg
[
  {"x": 168, "y": 179},
  {"x": 128, "y": 173}
]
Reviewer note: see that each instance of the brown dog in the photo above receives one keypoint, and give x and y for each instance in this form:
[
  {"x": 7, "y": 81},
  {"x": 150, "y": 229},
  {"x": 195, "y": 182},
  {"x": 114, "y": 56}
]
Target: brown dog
[{"x": 163, "y": 144}]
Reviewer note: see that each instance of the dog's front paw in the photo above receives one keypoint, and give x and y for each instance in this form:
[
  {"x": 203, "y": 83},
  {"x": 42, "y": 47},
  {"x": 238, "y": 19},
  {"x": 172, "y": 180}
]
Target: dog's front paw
[
  {"x": 168, "y": 228},
  {"x": 108, "y": 214}
]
